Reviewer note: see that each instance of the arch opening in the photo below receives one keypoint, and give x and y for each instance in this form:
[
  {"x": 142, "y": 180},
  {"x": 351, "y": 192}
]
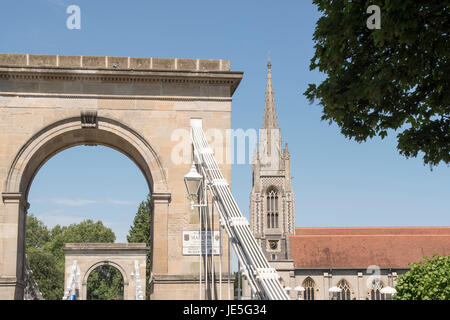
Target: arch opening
[
  {"x": 69, "y": 133},
  {"x": 65, "y": 134},
  {"x": 105, "y": 282}
]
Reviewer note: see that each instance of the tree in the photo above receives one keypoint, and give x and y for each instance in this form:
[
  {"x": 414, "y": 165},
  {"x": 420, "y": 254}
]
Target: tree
[
  {"x": 37, "y": 234},
  {"x": 393, "y": 78},
  {"x": 140, "y": 233},
  {"x": 86, "y": 231},
  {"x": 426, "y": 280},
  {"x": 45, "y": 254},
  {"x": 46, "y": 272}
]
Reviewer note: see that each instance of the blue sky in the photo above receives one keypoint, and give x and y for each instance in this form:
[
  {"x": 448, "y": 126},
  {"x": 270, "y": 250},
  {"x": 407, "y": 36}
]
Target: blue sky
[{"x": 337, "y": 182}]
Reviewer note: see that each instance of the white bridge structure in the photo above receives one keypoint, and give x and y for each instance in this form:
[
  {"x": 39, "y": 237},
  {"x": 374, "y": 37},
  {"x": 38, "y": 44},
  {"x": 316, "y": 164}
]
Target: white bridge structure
[
  {"x": 263, "y": 279},
  {"x": 32, "y": 291}
]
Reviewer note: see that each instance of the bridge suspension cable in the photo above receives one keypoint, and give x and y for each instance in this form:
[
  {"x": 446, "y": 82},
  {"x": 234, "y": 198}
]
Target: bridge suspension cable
[{"x": 263, "y": 279}]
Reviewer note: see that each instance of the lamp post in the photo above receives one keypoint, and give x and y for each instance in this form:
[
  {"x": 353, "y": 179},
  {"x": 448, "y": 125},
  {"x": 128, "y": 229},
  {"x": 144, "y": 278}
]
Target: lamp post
[
  {"x": 388, "y": 292},
  {"x": 299, "y": 290},
  {"x": 334, "y": 292},
  {"x": 193, "y": 181},
  {"x": 288, "y": 290}
]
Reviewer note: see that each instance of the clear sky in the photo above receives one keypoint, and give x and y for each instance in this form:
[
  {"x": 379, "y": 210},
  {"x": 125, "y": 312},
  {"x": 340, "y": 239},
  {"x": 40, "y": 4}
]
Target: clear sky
[{"x": 337, "y": 182}]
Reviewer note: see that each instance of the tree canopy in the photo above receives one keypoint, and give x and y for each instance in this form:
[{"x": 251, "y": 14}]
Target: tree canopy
[
  {"x": 46, "y": 257},
  {"x": 105, "y": 283},
  {"x": 426, "y": 280},
  {"x": 395, "y": 78}
]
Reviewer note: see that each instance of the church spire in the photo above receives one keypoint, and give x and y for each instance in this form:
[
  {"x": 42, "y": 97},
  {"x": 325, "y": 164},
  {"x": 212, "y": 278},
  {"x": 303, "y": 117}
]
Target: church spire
[{"x": 270, "y": 113}]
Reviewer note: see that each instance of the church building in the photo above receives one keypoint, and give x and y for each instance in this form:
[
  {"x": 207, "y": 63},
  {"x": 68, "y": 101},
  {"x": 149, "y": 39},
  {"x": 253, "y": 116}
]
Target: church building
[{"x": 325, "y": 263}]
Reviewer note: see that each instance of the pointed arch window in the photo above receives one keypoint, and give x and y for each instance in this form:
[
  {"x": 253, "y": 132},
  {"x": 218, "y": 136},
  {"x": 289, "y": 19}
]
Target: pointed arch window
[
  {"x": 345, "y": 293},
  {"x": 272, "y": 208},
  {"x": 375, "y": 290},
  {"x": 309, "y": 286}
]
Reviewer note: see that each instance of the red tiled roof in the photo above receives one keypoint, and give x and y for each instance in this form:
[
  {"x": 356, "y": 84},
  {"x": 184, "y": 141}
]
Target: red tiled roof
[
  {"x": 373, "y": 230},
  {"x": 392, "y": 247}
]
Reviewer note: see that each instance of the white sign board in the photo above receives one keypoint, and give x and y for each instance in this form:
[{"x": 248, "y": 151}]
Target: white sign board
[{"x": 192, "y": 245}]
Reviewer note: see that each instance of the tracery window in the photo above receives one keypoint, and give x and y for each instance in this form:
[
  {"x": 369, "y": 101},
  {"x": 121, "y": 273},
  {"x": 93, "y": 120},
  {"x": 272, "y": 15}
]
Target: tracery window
[
  {"x": 375, "y": 290},
  {"x": 309, "y": 286},
  {"x": 272, "y": 208},
  {"x": 345, "y": 293}
]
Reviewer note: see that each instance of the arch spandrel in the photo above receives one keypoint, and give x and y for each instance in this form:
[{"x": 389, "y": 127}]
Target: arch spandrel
[{"x": 68, "y": 133}]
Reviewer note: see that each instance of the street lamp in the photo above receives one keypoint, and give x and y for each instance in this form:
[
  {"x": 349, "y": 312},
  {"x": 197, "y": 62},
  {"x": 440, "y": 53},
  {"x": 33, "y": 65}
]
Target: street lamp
[
  {"x": 299, "y": 290},
  {"x": 388, "y": 292},
  {"x": 193, "y": 180},
  {"x": 334, "y": 292},
  {"x": 288, "y": 290}
]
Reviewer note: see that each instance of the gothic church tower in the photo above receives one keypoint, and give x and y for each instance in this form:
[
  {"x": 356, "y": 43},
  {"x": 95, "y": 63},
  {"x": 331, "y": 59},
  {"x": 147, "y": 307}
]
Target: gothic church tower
[{"x": 272, "y": 206}]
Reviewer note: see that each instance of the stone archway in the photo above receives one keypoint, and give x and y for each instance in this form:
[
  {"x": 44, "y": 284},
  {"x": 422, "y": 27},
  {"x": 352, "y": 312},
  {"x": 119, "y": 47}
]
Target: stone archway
[
  {"x": 122, "y": 256},
  {"x": 50, "y": 102},
  {"x": 68, "y": 133}
]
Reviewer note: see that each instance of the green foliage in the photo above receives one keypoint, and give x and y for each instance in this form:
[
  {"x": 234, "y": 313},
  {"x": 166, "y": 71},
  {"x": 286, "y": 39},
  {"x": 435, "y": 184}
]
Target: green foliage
[
  {"x": 37, "y": 233},
  {"x": 47, "y": 273},
  {"x": 140, "y": 233},
  {"x": 45, "y": 254},
  {"x": 393, "y": 78},
  {"x": 105, "y": 283},
  {"x": 84, "y": 232},
  {"x": 426, "y": 280}
]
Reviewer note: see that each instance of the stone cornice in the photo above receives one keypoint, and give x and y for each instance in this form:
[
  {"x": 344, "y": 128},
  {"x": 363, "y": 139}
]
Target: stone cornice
[
  {"x": 111, "y": 62},
  {"x": 117, "y": 96},
  {"x": 213, "y": 72},
  {"x": 161, "y": 197},
  {"x": 105, "y": 248},
  {"x": 184, "y": 278},
  {"x": 15, "y": 197}
]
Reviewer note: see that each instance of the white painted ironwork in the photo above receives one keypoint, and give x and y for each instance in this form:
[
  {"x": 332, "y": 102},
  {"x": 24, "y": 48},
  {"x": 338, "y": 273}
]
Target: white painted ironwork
[
  {"x": 263, "y": 279},
  {"x": 137, "y": 275},
  {"x": 32, "y": 291},
  {"x": 73, "y": 283}
]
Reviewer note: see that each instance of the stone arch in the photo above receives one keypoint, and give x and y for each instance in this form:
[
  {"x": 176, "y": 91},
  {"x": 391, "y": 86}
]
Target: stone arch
[
  {"x": 374, "y": 290},
  {"x": 119, "y": 267},
  {"x": 346, "y": 290},
  {"x": 70, "y": 132},
  {"x": 271, "y": 187},
  {"x": 273, "y": 206},
  {"x": 310, "y": 287}
]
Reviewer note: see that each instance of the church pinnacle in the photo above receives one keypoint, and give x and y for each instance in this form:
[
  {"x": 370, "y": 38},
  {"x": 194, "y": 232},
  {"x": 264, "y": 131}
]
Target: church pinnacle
[{"x": 270, "y": 114}]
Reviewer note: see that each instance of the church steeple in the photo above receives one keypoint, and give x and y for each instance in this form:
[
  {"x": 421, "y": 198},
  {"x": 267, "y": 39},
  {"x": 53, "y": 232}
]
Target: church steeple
[
  {"x": 270, "y": 112},
  {"x": 272, "y": 207}
]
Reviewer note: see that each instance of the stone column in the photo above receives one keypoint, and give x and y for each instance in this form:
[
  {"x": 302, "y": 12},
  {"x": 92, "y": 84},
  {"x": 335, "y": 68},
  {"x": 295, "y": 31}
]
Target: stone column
[
  {"x": 326, "y": 285},
  {"x": 394, "y": 279},
  {"x": 160, "y": 254},
  {"x": 361, "y": 288},
  {"x": 12, "y": 246}
]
